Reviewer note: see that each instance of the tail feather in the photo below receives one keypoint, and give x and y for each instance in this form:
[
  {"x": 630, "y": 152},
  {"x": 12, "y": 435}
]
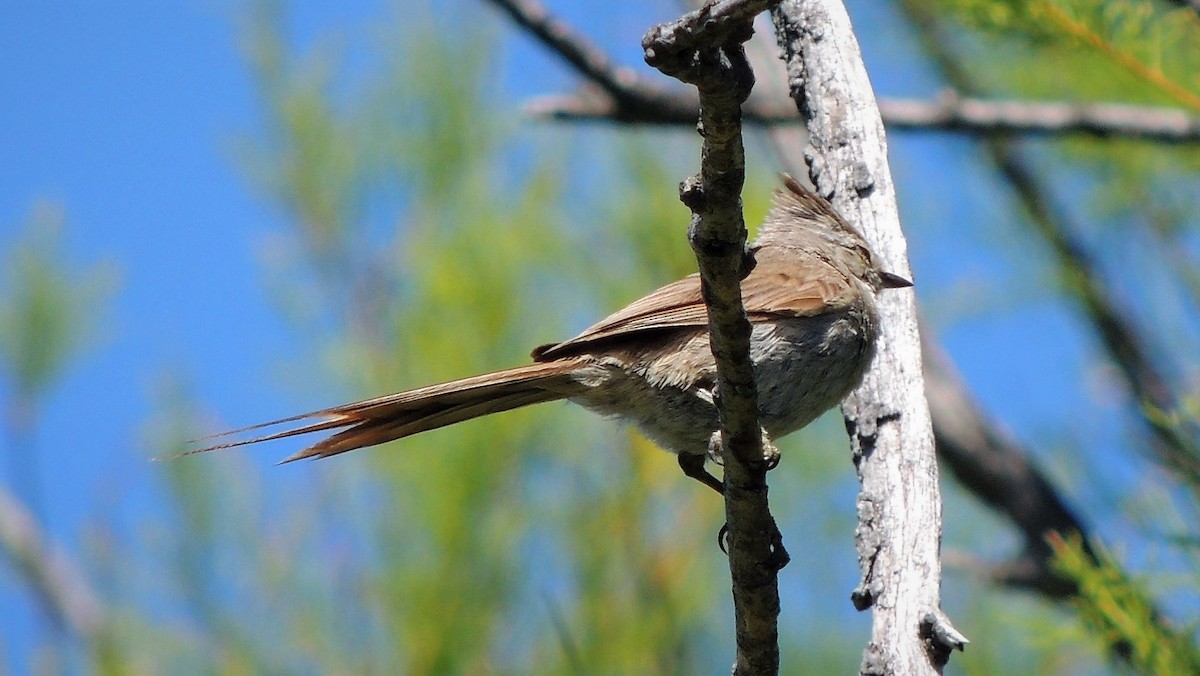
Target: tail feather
[{"x": 394, "y": 416}]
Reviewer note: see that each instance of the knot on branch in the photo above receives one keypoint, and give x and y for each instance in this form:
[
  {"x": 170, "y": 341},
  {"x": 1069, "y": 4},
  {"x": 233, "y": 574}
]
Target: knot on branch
[
  {"x": 862, "y": 424},
  {"x": 705, "y": 242},
  {"x": 704, "y": 47},
  {"x": 940, "y": 637},
  {"x": 716, "y": 70},
  {"x": 863, "y": 596},
  {"x": 692, "y": 194}
]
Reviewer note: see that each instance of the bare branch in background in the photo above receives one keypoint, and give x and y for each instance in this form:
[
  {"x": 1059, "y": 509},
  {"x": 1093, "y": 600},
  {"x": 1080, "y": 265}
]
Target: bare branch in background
[
  {"x": 1124, "y": 342},
  {"x": 1193, "y": 5},
  {"x": 998, "y": 471},
  {"x": 629, "y": 93},
  {"x": 993, "y": 117},
  {"x": 617, "y": 94},
  {"x": 948, "y": 113},
  {"x": 51, "y": 574},
  {"x": 1122, "y": 339}
]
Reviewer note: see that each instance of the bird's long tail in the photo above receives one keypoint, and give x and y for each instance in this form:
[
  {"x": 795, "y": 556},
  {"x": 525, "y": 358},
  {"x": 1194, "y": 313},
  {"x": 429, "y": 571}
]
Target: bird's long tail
[{"x": 375, "y": 421}]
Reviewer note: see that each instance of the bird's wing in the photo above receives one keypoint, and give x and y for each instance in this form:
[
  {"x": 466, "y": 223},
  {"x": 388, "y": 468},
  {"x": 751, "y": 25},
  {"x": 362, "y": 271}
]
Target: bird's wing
[
  {"x": 789, "y": 283},
  {"x": 804, "y": 287}
]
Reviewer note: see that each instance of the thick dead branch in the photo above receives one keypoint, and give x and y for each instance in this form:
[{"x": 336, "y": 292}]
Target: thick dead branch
[{"x": 899, "y": 532}]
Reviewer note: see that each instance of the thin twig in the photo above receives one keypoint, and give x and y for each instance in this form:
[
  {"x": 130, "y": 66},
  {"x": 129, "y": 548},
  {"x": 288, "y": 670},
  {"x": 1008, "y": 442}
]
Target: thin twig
[{"x": 704, "y": 48}]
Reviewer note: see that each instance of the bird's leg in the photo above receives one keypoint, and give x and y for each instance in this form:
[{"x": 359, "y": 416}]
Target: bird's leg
[
  {"x": 693, "y": 466},
  {"x": 770, "y": 453}
]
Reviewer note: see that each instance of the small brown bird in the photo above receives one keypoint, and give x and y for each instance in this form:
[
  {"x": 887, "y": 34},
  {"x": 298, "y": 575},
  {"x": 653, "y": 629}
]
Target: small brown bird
[{"x": 811, "y": 302}]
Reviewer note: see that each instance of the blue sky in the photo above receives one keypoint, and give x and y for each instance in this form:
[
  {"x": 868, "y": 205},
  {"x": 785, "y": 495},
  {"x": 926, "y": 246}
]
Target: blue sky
[
  {"x": 124, "y": 114},
  {"x": 124, "y": 118},
  {"x": 128, "y": 114}
]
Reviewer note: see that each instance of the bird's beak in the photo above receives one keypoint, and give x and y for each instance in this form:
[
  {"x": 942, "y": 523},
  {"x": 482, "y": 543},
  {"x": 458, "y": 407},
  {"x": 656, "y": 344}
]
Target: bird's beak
[{"x": 891, "y": 281}]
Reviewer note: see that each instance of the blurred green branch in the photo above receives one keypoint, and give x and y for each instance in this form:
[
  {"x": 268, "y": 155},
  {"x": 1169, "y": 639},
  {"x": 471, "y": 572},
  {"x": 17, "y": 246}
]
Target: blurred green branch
[
  {"x": 1120, "y": 612},
  {"x": 49, "y": 309}
]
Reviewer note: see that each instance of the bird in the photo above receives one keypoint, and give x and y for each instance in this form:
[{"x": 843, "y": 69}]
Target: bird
[{"x": 811, "y": 301}]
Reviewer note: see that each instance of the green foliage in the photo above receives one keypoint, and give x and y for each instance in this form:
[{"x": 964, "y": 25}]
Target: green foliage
[
  {"x": 537, "y": 537},
  {"x": 544, "y": 539},
  {"x": 1142, "y": 48},
  {"x": 48, "y": 308},
  {"x": 1119, "y": 216},
  {"x": 1121, "y": 614}
]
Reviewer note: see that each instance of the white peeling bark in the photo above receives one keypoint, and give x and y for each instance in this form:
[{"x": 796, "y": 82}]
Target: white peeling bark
[{"x": 887, "y": 417}]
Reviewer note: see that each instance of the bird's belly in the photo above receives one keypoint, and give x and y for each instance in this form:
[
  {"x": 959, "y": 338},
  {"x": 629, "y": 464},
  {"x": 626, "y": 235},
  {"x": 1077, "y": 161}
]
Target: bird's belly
[{"x": 803, "y": 367}]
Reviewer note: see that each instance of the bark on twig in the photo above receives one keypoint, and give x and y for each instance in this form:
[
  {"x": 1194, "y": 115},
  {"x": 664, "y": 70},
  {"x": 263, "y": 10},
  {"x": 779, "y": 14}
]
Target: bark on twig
[
  {"x": 704, "y": 48},
  {"x": 899, "y": 532}
]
